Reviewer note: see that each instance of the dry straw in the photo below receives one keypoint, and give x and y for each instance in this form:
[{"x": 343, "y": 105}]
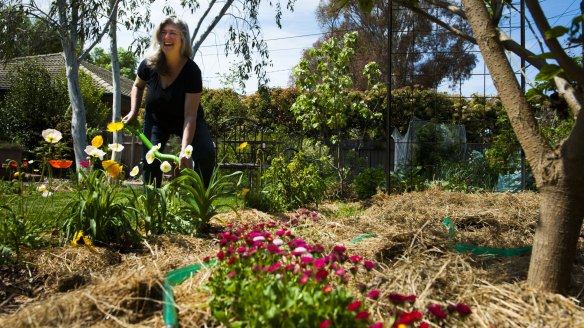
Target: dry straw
[{"x": 403, "y": 233}]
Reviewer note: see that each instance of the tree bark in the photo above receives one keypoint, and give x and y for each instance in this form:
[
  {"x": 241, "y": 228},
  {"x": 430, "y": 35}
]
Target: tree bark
[
  {"x": 78, "y": 119},
  {"x": 116, "y": 92}
]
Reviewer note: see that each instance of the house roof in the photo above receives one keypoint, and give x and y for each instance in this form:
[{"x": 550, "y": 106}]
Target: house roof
[{"x": 55, "y": 64}]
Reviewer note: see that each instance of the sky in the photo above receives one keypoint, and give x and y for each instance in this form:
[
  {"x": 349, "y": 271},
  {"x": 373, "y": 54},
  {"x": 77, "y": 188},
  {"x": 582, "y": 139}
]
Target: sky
[{"x": 299, "y": 32}]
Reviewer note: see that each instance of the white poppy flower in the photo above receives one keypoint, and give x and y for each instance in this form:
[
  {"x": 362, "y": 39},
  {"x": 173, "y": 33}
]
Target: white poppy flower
[
  {"x": 42, "y": 188},
  {"x": 47, "y": 193},
  {"x": 52, "y": 135},
  {"x": 134, "y": 171},
  {"x": 116, "y": 147},
  {"x": 188, "y": 152},
  {"x": 165, "y": 167},
  {"x": 150, "y": 156}
]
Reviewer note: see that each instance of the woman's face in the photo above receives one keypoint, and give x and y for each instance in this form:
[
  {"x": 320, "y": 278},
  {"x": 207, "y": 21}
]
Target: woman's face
[{"x": 170, "y": 39}]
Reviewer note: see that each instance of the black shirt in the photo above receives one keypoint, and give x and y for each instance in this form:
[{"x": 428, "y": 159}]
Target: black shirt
[{"x": 167, "y": 106}]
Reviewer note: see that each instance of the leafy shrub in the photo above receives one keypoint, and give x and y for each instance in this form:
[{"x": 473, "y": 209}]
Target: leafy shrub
[
  {"x": 292, "y": 185},
  {"x": 407, "y": 179},
  {"x": 197, "y": 205},
  {"x": 367, "y": 182},
  {"x": 100, "y": 210},
  {"x": 472, "y": 175}
]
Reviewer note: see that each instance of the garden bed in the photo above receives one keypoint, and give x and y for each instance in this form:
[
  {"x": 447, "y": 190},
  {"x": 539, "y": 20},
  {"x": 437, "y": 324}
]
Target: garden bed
[{"x": 405, "y": 235}]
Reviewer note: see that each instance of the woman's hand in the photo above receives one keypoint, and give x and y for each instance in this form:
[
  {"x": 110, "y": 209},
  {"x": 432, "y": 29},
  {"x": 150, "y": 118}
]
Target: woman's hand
[
  {"x": 185, "y": 163},
  {"x": 128, "y": 118}
]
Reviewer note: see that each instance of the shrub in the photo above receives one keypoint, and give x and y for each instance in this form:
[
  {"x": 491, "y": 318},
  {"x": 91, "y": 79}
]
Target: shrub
[{"x": 367, "y": 182}]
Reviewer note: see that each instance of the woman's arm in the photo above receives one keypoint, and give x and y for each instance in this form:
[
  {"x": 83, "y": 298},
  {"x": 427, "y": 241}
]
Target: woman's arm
[
  {"x": 135, "y": 99},
  {"x": 192, "y": 101}
]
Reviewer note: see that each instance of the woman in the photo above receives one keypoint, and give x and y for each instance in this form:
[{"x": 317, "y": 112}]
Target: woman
[{"x": 172, "y": 100}]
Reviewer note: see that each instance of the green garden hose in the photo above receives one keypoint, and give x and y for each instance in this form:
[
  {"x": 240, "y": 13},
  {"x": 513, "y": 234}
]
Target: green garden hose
[
  {"x": 479, "y": 250},
  {"x": 148, "y": 144},
  {"x": 174, "y": 278}
]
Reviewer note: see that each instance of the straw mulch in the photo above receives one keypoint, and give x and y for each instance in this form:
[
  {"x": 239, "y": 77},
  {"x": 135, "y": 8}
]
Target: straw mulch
[{"x": 404, "y": 234}]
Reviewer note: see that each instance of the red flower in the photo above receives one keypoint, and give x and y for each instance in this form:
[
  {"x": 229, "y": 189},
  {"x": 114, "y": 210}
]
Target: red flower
[
  {"x": 304, "y": 279},
  {"x": 60, "y": 163},
  {"x": 355, "y": 258},
  {"x": 231, "y": 274},
  {"x": 363, "y": 315},
  {"x": 374, "y": 294},
  {"x": 221, "y": 255},
  {"x": 319, "y": 263},
  {"x": 354, "y": 306},
  {"x": 399, "y": 298},
  {"x": 339, "y": 248},
  {"x": 376, "y": 325},
  {"x": 273, "y": 267},
  {"x": 424, "y": 325},
  {"x": 84, "y": 163},
  {"x": 437, "y": 311},
  {"x": 320, "y": 275},
  {"x": 231, "y": 260},
  {"x": 327, "y": 289},
  {"x": 325, "y": 324},
  {"x": 409, "y": 317},
  {"x": 463, "y": 309},
  {"x": 369, "y": 265}
]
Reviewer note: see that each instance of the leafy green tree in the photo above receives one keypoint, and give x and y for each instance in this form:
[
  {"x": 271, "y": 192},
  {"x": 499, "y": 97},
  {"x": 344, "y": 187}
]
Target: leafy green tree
[
  {"x": 128, "y": 61},
  {"x": 324, "y": 82},
  {"x": 422, "y": 54},
  {"x": 18, "y": 29}
]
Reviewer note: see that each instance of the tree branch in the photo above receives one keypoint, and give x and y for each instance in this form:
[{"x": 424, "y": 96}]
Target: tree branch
[
  {"x": 87, "y": 50},
  {"x": 196, "y": 31},
  {"x": 211, "y": 26},
  {"x": 571, "y": 69}
]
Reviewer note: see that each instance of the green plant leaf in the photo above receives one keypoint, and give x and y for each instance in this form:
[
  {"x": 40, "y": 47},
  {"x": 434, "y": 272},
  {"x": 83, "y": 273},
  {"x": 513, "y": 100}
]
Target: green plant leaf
[
  {"x": 555, "y": 32},
  {"x": 548, "y": 72}
]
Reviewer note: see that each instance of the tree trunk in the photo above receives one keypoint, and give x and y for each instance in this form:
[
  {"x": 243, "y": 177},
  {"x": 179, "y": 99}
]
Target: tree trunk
[
  {"x": 117, "y": 92},
  {"x": 556, "y": 238},
  {"x": 558, "y": 172},
  {"x": 78, "y": 120}
]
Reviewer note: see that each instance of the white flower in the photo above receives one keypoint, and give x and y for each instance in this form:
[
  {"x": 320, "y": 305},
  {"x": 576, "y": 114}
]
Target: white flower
[
  {"x": 134, "y": 171},
  {"x": 157, "y": 147},
  {"x": 47, "y": 193},
  {"x": 165, "y": 167},
  {"x": 52, "y": 135},
  {"x": 278, "y": 242},
  {"x": 150, "y": 157},
  {"x": 259, "y": 238},
  {"x": 299, "y": 250},
  {"x": 94, "y": 151},
  {"x": 31, "y": 161},
  {"x": 188, "y": 152},
  {"x": 42, "y": 188},
  {"x": 116, "y": 147}
]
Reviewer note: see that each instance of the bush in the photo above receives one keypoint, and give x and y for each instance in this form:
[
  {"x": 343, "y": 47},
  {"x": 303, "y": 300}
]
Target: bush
[
  {"x": 367, "y": 182},
  {"x": 292, "y": 185}
]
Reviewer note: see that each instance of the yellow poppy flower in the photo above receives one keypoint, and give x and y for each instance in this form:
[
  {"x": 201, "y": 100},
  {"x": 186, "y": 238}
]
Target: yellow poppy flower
[
  {"x": 242, "y": 145},
  {"x": 115, "y": 126},
  {"x": 77, "y": 238},
  {"x": 97, "y": 141},
  {"x": 244, "y": 192},
  {"x": 112, "y": 167}
]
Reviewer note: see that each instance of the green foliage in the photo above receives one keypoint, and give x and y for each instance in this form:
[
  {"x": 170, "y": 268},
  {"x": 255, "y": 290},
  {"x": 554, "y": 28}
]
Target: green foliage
[
  {"x": 270, "y": 107},
  {"x": 367, "y": 182},
  {"x": 34, "y": 102},
  {"x": 100, "y": 209},
  {"x": 436, "y": 143},
  {"x": 25, "y": 36},
  {"x": 469, "y": 176},
  {"x": 221, "y": 104},
  {"x": 292, "y": 184},
  {"x": 127, "y": 60},
  {"x": 151, "y": 209},
  {"x": 407, "y": 179},
  {"x": 199, "y": 204},
  {"x": 324, "y": 82}
]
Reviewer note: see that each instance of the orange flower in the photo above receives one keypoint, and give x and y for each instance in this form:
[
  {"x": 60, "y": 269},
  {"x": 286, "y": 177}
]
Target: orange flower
[
  {"x": 112, "y": 167},
  {"x": 61, "y": 163}
]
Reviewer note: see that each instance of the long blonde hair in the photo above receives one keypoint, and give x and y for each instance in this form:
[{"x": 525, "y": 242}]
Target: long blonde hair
[{"x": 156, "y": 59}]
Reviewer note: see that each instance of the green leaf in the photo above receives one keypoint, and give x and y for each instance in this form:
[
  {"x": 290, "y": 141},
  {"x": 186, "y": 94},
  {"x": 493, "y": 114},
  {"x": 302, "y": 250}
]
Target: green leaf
[
  {"x": 555, "y": 32},
  {"x": 366, "y": 5},
  {"x": 548, "y": 72}
]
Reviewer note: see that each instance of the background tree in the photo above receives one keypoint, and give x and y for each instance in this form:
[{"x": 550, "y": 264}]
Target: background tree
[
  {"x": 422, "y": 55},
  {"x": 128, "y": 61},
  {"x": 18, "y": 29}
]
